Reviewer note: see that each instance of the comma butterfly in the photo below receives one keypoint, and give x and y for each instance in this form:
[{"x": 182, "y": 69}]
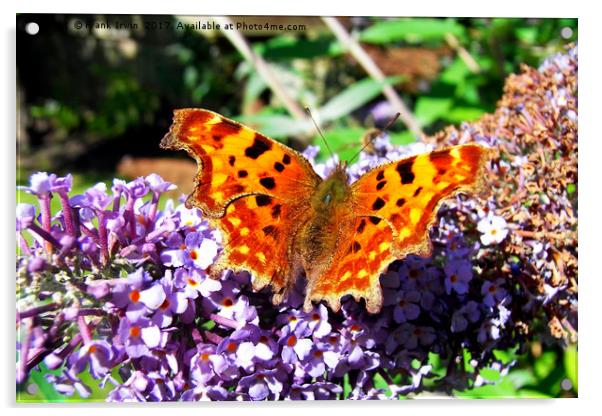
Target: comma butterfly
[{"x": 279, "y": 218}]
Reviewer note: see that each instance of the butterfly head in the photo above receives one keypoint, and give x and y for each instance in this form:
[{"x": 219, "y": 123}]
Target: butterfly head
[{"x": 334, "y": 189}]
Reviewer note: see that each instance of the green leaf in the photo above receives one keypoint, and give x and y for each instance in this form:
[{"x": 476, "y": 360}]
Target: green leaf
[
  {"x": 527, "y": 34},
  {"x": 521, "y": 377},
  {"x": 570, "y": 189},
  {"x": 403, "y": 139},
  {"x": 467, "y": 357},
  {"x": 544, "y": 365},
  {"x": 570, "y": 365},
  {"x": 380, "y": 383},
  {"x": 46, "y": 390},
  {"x": 430, "y": 109},
  {"x": 460, "y": 114},
  {"x": 346, "y": 386},
  {"x": 506, "y": 356},
  {"x": 353, "y": 97},
  {"x": 489, "y": 374},
  {"x": 288, "y": 47},
  {"x": 490, "y": 391},
  {"x": 276, "y": 125},
  {"x": 412, "y": 30},
  {"x": 533, "y": 394},
  {"x": 344, "y": 141},
  {"x": 455, "y": 73}
]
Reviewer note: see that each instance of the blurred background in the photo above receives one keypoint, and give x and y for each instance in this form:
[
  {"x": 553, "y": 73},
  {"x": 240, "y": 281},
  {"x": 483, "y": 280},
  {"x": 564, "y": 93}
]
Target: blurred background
[{"x": 95, "y": 95}]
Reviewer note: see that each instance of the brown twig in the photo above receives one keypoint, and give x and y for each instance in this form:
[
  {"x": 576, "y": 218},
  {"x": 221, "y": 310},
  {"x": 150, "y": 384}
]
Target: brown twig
[
  {"x": 262, "y": 67},
  {"x": 374, "y": 71},
  {"x": 464, "y": 55}
]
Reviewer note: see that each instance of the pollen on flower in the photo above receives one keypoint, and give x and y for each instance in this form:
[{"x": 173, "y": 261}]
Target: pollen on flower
[
  {"x": 193, "y": 254},
  {"x": 204, "y": 356},
  {"x": 232, "y": 347},
  {"x": 165, "y": 305},
  {"x": 227, "y": 302}
]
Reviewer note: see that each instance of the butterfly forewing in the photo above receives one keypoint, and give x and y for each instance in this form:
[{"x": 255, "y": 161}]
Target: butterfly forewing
[{"x": 235, "y": 160}]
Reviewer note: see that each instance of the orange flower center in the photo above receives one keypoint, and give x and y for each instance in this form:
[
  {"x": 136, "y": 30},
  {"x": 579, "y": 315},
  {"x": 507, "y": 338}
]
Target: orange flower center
[
  {"x": 193, "y": 255},
  {"x": 291, "y": 341},
  {"x": 165, "y": 304},
  {"x": 227, "y": 302},
  {"x": 134, "y": 295},
  {"x": 135, "y": 331},
  {"x": 204, "y": 356},
  {"x": 453, "y": 278},
  {"x": 232, "y": 347}
]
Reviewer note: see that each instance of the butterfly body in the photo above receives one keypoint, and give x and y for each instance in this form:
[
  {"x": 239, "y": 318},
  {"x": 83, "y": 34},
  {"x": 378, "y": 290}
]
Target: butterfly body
[{"x": 279, "y": 219}]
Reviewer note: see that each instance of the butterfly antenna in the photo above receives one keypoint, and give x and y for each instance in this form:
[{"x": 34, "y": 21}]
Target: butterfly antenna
[
  {"x": 384, "y": 130},
  {"x": 308, "y": 111}
]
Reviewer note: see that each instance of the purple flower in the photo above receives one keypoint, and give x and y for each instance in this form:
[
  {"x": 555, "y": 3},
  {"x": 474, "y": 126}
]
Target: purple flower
[
  {"x": 127, "y": 295},
  {"x": 493, "y": 229},
  {"x": 406, "y": 305},
  {"x": 205, "y": 365},
  {"x": 26, "y": 214},
  {"x": 262, "y": 385},
  {"x": 493, "y": 292},
  {"x": 197, "y": 251},
  {"x": 458, "y": 274},
  {"x": 467, "y": 313},
  {"x": 98, "y": 354},
  {"x": 320, "y": 390},
  {"x": 157, "y": 184},
  {"x": 293, "y": 348},
  {"x": 67, "y": 383},
  {"x": 39, "y": 184},
  {"x": 139, "y": 337}
]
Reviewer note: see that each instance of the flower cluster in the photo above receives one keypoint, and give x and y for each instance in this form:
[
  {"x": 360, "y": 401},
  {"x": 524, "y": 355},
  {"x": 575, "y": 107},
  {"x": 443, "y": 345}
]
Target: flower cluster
[{"x": 114, "y": 286}]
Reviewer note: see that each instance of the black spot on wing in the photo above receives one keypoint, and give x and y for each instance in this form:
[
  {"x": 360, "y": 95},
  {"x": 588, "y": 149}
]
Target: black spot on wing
[
  {"x": 231, "y": 160},
  {"x": 260, "y": 145},
  {"x": 400, "y": 202},
  {"x": 380, "y": 176},
  {"x": 375, "y": 220},
  {"x": 268, "y": 182},
  {"x": 243, "y": 173},
  {"x": 378, "y": 204},
  {"x": 276, "y": 211},
  {"x": 417, "y": 191},
  {"x": 269, "y": 230},
  {"x": 381, "y": 185},
  {"x": 263, "y": 200},
  {"x": 286, "y": 159},
  {"x": 404, "y": 169},
  {"x": 356, "y": 246},
  {"x": 360, "y": 228},
  {"x": 279, "y": 166}
]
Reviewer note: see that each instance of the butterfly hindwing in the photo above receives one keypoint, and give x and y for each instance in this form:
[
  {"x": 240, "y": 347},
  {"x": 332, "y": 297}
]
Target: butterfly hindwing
[{"x": 360, "y": 257}]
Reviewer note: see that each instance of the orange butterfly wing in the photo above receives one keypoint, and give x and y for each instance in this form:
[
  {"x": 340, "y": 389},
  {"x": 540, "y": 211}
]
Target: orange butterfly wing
[
  {"x": 393, "y": 208},
  {"x": 250, "y": 187}
]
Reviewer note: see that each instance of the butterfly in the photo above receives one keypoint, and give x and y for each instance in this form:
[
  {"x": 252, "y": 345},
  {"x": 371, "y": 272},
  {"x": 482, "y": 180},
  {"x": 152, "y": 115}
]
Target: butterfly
[{"x": 279, "y": 218}]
